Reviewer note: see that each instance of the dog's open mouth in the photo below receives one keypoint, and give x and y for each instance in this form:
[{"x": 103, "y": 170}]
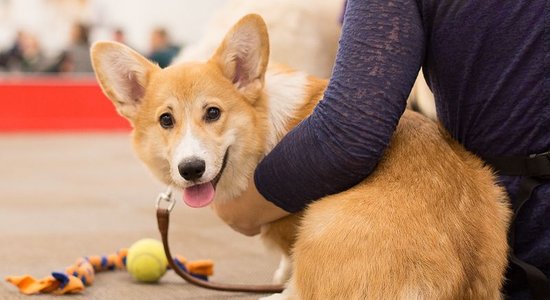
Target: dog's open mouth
[{"x": 202, "y": 194}]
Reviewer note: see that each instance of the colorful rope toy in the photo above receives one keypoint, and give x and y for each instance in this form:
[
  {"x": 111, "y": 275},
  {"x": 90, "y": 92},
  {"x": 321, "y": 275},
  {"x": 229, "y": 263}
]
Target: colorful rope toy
[{"x": 83, "y": 271}]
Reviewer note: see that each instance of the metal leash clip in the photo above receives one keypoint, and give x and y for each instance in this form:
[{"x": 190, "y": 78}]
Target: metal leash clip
[{"x": 166, "y": 197}]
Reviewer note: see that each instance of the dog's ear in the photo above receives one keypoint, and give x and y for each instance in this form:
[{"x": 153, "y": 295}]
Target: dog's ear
[
  {"x": 122, "y": 74},
  {"x": 243, "y": 55}
]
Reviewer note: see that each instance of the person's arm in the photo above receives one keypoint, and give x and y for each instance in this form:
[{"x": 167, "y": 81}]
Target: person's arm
[{"x": 381, "y": 50}]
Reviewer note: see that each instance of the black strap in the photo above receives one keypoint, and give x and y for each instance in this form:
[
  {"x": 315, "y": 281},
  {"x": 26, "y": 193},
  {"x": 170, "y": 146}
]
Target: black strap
[
  {"x": 536, "y": 165},
  {"x": 535, "y": 168},
  {"x": 538, "y": 283}
]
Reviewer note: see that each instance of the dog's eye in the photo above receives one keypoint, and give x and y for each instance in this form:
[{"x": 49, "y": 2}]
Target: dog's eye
[
  {"x": 166, "y": 120},
  {"x": 212, "y": 114}
]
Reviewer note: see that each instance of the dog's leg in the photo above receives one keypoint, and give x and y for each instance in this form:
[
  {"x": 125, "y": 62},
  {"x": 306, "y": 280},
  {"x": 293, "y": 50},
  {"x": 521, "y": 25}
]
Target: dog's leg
[
  {"x": 283, "y": 272},
  {"x": 288, "y": 294},
  {"x": 281, "y": 235}
]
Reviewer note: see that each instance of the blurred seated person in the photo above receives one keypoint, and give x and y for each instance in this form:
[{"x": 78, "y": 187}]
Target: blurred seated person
[
  {"x": 13, "y": 54},
  {"x": 119, "y": 36},
  {"x": 162, "y": 50},
  {"x": 76, "y": 58},
  {"x": 24, "y": 56}
]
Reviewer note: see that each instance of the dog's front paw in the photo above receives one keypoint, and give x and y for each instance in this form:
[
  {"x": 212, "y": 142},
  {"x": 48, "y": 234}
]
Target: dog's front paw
[
  {"x": 283, "y": 272},
  {"x": 281, "y": 276},
  {"x": 278, "y": 296},
  {"x": 289, "y": 293}
]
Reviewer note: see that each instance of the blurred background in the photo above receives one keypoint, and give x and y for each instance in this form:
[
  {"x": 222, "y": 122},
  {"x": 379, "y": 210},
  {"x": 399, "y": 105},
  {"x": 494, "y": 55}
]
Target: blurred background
[
  {"x": 46, "y": 80},
  {"x": 38, "y": 32},
  {"x": 44, "y": 55}
]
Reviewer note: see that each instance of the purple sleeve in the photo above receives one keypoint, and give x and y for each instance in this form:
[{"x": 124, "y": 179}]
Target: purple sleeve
[{"x": 381, "y": 50}]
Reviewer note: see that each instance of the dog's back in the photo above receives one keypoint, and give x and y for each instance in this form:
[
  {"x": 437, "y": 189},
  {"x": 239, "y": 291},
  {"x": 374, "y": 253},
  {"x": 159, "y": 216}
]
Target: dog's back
[{"x": 429, "y": 223}]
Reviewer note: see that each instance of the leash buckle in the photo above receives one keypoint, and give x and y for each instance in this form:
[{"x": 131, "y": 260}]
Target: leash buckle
[
  {"x": 542, "y": 164},
  {"x": 166, "y": 197},
  {"x": 547, "y": 154}
]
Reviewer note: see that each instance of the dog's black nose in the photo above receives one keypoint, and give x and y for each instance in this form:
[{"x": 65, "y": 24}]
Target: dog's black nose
[{"x": 192, "y": 169}]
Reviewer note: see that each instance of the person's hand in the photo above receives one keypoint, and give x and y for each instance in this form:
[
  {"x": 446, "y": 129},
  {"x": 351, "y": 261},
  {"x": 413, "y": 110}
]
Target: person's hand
[{"x": 249, "y": 212}]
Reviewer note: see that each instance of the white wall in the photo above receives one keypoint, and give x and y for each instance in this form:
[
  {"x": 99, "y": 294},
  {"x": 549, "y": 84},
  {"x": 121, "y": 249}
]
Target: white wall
[{"x": 50, "y": 20}]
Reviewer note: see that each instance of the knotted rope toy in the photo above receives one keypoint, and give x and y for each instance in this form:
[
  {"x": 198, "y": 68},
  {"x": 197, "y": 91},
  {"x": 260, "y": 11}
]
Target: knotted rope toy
[{"x": 82, "y": 273}]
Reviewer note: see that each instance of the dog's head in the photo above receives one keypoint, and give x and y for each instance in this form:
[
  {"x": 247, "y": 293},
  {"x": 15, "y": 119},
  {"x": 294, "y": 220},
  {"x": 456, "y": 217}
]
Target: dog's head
[{"x": 198, "y": 126}]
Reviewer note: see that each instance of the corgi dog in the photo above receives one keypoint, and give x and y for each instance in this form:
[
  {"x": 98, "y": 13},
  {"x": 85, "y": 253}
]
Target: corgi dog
[{"x": 429, "y": 223}]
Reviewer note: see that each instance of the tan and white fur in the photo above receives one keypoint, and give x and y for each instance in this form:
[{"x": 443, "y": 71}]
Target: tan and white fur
[{"x": 429, "y": 223}]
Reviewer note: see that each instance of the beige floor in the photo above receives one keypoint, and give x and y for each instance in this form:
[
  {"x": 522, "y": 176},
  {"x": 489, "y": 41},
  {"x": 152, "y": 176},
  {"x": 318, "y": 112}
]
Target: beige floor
[{"x": 70, "y": 195}]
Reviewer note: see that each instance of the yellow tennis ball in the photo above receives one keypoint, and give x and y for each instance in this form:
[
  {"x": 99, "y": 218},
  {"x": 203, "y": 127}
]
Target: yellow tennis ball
[{"x": 146, "y": 261}]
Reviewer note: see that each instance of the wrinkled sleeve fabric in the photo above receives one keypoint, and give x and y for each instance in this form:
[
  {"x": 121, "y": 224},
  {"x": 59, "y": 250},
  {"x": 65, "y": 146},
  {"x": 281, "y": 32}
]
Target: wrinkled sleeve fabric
[{"x": 381, "y": 51}]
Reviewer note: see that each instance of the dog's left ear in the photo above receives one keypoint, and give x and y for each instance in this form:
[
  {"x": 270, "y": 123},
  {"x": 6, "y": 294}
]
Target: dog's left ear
[{"x": 243, "y": 55}]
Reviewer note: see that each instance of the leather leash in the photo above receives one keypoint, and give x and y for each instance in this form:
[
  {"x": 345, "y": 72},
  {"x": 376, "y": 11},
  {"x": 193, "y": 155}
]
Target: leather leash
[{"x": 163, "y": 220}]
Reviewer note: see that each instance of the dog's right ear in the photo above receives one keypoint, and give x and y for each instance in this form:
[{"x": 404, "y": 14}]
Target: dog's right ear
[
  {"x": 122, "y": 74},
  {"x": 243, "y": 55}
]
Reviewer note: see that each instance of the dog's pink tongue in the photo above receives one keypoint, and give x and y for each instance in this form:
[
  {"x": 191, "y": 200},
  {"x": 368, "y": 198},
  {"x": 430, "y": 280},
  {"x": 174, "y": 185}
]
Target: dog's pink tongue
[{"x": 199, "y": 195}]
